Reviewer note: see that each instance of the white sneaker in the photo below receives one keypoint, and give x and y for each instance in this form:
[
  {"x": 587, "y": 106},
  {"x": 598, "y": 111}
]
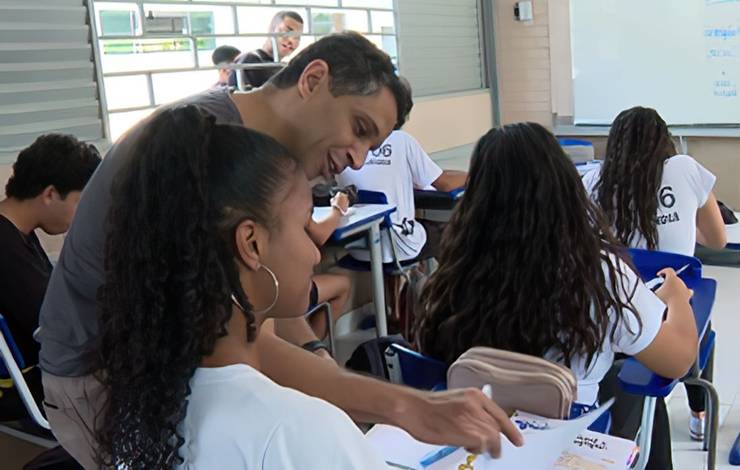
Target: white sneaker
[{"x": 696, "y": 428}]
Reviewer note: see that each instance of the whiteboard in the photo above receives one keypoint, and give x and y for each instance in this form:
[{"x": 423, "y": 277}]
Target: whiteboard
[{"x": 681, "y": 57}]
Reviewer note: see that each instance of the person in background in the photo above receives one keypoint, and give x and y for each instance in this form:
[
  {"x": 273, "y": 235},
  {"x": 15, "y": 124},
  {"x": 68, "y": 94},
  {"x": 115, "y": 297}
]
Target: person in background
[
  {"x": 657, "y": 199},
  {"x": 224, "y": 55},
  {"x": 528, "y": 264},
  {"x": 290, "y": 24},
  {"x": 397, "y": 167},
  {"x": 42, "y": 193},
  {"x": 328, "y": 287}
]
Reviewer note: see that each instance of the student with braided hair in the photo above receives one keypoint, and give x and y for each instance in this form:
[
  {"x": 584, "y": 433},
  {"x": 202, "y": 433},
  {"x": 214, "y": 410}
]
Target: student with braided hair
[{"x": 658, "y": 199}]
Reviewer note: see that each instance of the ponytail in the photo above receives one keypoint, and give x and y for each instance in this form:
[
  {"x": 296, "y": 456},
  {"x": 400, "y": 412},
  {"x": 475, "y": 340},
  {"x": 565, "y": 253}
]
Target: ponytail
[{"x": 170, "y": 272}]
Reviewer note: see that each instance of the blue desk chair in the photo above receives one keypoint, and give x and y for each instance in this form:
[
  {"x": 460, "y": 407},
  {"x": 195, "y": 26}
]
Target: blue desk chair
[
  {"x": 393, "y": 268},
  {"x": 637, "y": 379},
  {"x": 649, "y": 262},
  {"x": 735, "y": 452},
  {"x": 12, "y": 363},
  {"x": 410, "y": 368}
]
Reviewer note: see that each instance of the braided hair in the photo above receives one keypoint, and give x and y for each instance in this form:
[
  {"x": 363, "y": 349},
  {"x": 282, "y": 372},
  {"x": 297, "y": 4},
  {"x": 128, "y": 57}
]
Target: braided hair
[{"x": 639, "y": 144}]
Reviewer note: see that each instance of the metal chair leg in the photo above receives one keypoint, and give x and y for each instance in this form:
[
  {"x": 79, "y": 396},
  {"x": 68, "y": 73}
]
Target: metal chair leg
[
  {"x": 712, "y": 429},
  {"x": 646, "y": 432}
]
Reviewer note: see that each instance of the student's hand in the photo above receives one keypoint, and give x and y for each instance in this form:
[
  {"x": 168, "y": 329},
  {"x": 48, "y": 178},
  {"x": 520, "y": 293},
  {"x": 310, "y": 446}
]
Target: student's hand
[
  {"x": 673, "y": 288},
  {"x": 462, "y": 418},
  {"x": 340, "y": 201}
]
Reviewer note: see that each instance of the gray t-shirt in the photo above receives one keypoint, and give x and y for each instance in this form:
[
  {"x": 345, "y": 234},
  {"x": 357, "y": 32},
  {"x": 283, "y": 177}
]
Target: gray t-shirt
[{"x": 69, "y": 330}]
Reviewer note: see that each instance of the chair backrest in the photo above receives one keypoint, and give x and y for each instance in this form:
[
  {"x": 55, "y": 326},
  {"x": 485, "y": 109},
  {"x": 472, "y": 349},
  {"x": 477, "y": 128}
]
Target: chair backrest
[
  {"x": 410, "y": 368},
  {"x": 371, "y": 197},
  {"x": 16, "y": 353},
  {"x": 649, "y": 262},
  {"x": 13, "y": 360}
]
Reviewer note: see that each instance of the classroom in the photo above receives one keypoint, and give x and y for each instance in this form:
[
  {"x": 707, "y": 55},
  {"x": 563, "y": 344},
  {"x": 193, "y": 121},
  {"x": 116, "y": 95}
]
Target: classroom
[{"x": 369, "y": 234}]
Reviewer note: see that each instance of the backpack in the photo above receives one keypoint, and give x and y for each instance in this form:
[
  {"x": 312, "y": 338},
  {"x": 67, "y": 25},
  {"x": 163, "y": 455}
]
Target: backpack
[{"x": 369, "y": 357}]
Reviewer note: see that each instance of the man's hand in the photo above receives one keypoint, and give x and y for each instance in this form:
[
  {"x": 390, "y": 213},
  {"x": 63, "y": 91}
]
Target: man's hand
[{"x": 463, "y": 417}]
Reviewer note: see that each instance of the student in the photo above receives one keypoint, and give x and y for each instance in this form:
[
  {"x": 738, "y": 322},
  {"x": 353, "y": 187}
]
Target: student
[
  {"x": 224, "y": 55},
  {"x": 178, "y": 336},
  {"x": 315, "y": 107},
  {"x": 331, "y": 288},
  {"x": 657, "y": 199},
  {"x": 42, "y": 193},
  {"x": 395, "y": 168},
  {"x": 527, "y": 265},
  {"x": 670, "y": 195},
  {"x": 288, "y": 22}
]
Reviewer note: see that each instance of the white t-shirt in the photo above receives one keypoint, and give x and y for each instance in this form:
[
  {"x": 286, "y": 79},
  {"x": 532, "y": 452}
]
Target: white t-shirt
[
  {"x": 628, "y": 337},
  {"x": 685, "y": 187},
  {"x": 396, "y": 168},
  {"x": 238, "y": 418}
]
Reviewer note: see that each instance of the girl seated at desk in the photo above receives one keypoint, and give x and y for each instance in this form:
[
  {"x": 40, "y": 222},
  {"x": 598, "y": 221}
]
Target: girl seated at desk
[
  {"x": 658, "y": 199},
  {"x": 222, "y": 215},
  {"x": 528, "y": 265}
]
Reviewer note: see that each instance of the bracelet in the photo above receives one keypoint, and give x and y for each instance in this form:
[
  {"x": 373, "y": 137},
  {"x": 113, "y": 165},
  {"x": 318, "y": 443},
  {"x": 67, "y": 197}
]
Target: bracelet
[
  {"x": 315, "y": 345},
  {"x": 341, "y": 211}
]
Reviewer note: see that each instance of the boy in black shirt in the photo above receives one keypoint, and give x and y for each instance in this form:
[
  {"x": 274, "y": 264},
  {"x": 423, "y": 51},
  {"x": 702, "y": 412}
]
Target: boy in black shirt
[
  {"x": 290, "y": 24},
  {"x": 43, "y": 192}
]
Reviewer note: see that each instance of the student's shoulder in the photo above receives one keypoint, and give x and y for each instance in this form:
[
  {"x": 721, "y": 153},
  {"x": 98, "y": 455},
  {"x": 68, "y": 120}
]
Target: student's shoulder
[
  {"x": 252, "y": 57},
  {"x": 681, "y": 161}
]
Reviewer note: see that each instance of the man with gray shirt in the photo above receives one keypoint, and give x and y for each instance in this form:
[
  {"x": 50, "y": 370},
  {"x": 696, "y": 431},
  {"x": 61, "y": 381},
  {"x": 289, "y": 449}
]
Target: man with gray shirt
[{"x": 334, "y": 102}]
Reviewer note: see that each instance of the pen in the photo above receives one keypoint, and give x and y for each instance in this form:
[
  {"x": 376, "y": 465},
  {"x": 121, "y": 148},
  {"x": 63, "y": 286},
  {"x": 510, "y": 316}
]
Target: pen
[
  {"x": 398, "y": 465},
  {"x": 437, "y": 455},
  {"x": 656, "y": 282}
]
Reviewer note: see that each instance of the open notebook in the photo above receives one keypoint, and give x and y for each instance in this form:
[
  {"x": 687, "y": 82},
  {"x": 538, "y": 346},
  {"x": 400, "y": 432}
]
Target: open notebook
[{"x": 549, "y": 444}]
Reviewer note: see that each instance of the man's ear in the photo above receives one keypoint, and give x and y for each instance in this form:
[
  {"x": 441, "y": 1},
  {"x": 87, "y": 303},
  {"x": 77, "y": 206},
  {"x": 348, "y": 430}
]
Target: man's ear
[
  {"x": 49, "y": 194},
  {"x": 313, "y": 77},
  {"x": 250, "y": 243}
]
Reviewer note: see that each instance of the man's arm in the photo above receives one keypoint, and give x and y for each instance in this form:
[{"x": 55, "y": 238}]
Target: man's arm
[
  {"x": 450, "y": 180},
  {"x": 462, "y": 417}
]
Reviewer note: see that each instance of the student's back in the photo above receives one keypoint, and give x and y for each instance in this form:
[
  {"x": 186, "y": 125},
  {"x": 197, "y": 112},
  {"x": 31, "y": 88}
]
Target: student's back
[
  {"x": 654, "y": 198},
  {"x": 528, "y": 265}
]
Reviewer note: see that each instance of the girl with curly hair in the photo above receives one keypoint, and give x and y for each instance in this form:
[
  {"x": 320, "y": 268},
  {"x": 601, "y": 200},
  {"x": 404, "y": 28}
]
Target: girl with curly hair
[
  {"x": 528, "y": 265},
  {"x": 206, "y": 240}
]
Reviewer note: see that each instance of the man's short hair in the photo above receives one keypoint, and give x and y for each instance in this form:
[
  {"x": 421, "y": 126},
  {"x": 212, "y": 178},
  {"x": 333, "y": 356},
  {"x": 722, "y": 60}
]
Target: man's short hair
[
  {"x": 281, "y": 15},
  {"x": 224, "y": 54},
  {"x": 356, "y": 67},
  {"x": 58, "y": 160}
]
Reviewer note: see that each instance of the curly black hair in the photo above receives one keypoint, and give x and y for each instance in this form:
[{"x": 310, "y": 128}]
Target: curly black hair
[
  {"x": 639, "y": 144},
  {"x": 171, "y": 269},
  {"x": 522, "y": 259},
  {"x": 58, "y": 160}
]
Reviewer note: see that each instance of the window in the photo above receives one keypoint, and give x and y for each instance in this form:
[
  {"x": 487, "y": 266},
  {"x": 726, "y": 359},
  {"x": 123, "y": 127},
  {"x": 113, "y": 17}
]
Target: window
[
  {"x": 156, "y": 53},
  {"x": 440, "y": 45}
]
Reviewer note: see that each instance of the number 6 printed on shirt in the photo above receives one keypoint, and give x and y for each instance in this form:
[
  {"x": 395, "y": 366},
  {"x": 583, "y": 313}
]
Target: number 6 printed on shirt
[{"x": 667, "y": 199}]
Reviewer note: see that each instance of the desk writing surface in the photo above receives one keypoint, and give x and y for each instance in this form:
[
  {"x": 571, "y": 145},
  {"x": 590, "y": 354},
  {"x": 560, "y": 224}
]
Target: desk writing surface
[
  {"x": 438, "y": 200},
  {"x": 359, "y": 214}
]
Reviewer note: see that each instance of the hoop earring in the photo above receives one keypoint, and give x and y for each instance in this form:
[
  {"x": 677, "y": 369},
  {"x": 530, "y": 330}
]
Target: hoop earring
[{"x": 274, "y": 301}]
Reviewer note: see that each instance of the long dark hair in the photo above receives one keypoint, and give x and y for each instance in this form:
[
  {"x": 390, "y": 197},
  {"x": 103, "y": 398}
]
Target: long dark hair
[
  {"x": 638, "y": 146},
  {"x": 522, "y": 259},
  {"x": 170, "y": 271}
]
